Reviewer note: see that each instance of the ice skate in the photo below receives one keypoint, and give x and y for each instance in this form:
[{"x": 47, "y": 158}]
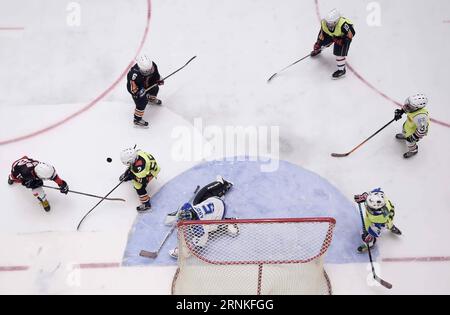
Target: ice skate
[
  {"x": 395, "y": 230},
  {"x": 339, "y": 74},
  {"x": 153, "y": 100},
  {"x": 400, "y": 136},
  {"x": 144, "y": 207},
  {"x": 363, "y": 248},
  {"x": 409, "y": 154},
  {"x": 45, "y": 205},
  {"x": 228, "y": 184},
  {"x": 174, "y": 253},
  {"x": 140, "y": 123}
]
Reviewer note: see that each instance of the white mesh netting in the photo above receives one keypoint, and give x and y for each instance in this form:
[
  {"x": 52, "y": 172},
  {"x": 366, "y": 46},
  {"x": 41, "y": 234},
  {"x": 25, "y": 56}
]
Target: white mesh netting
[{"x": 267, "y": 256}]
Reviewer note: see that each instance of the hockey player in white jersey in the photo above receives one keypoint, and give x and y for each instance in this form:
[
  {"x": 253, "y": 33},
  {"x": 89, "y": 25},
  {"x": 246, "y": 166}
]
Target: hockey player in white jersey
[{"x": 207, "y": 204}]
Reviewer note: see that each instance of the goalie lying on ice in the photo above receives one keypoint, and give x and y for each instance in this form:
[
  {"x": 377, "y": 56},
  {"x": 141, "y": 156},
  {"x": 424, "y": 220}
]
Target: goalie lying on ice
[{"x": 207, "y": 204}]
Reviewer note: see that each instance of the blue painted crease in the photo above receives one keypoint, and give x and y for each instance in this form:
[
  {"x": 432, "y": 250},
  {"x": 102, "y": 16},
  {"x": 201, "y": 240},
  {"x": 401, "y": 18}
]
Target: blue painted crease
[{"x": 291, "y": 191}]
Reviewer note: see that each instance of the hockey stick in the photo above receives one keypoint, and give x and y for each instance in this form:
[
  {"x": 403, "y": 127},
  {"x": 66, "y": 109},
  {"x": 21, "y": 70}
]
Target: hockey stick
[
  {"x": 148, "y": 254},
  {"x": 85, "y": 194},
  {"x": 144, "y": 253},
  {"x": 359, "y": 145},
  {"x": 385, "y": 284},
  {"x": 148, "y": 89},
  {"x": 295, "y": 62},
  {"x": 103, "y": 198}
]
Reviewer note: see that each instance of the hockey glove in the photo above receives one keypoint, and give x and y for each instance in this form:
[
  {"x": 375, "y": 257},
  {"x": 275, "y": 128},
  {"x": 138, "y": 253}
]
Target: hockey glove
[
  {"x": 127, "y": 176},
  {"x": 367, "y": 238},
  {"x": 142, "y": 93},
  {"x": 317, "y": 49},
  {"x": 64, "y": 188},
  {"x": 398, "y": 114},
  {"x": 361, "y": 198}
]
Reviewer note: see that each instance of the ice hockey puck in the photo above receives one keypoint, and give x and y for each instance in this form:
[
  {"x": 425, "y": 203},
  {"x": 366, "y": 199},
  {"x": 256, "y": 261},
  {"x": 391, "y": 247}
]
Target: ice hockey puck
[{"x": 109, "y": 160}]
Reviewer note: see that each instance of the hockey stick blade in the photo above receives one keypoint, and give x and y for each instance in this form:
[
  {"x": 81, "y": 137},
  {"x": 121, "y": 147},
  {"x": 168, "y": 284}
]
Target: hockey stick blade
[
  {"x": 115, "y": 199},
  {"x": 339, "y": 154},
  {"x": 144, "y": 253},
  {"x": 385, "y": 284},
  {"x": 273, "y": 75}
]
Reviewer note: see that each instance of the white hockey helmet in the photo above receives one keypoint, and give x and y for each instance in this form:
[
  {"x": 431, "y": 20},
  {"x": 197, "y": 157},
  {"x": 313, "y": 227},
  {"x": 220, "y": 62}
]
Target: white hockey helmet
[
  {"x": 375, "y": 199},
  {"x": 44, "y": 171},
  {"x": 415, "y": 102},
  {"x": 128, "y": 156},
  {"x": 332, "y": 19},
  {"x": 145, "y": 64}
]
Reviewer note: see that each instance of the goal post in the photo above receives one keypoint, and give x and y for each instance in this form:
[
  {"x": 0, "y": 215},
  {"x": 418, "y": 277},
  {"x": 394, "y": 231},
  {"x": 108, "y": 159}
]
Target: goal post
[{"x": 253, "y": 256}]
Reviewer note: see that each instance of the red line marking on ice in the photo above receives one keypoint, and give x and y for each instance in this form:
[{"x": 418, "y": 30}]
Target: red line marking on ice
[
  {"x": 78, "y": 266},
  {"x": 94, "y": 101},
  {"x": 13, "y": 268},
  {"x": 97, "y": 265},
  {"x": 11, "y": 28},
  {"x": 417, "y": 259},
  {"x": 369, "y": 85},
  {"x": 446, "y": 21}
]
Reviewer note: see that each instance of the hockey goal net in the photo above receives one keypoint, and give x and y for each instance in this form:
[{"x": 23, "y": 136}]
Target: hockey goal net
[{"x": 265, "y": 256}]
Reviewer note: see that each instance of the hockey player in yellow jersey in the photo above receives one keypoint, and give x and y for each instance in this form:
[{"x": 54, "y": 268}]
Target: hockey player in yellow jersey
[
  {"x": 416, "y": 124},
  {"x": 380, "y": 214},
  {"x": 335, "y": 29},
  {"x": 142, "y": 168}
]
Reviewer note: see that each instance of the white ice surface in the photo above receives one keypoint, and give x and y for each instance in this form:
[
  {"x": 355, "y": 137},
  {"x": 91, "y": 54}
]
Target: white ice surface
[{"x": 50, "y": 70}]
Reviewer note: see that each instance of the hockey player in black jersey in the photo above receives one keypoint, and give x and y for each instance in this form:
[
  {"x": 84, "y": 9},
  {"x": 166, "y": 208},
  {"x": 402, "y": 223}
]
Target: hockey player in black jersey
[
  {"x": 142, "y": 76},
  {"x": 31, "y": 174}
]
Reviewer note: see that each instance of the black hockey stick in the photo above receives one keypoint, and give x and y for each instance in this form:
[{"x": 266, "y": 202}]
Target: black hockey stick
[
  {"x": 148, "y": 89},
  {"x": 295, "y": 62},
  {"x": 145, "y": 253},
  {"x": 103, "y": 198},
  {"x": 359, "y": 145},
  {"x": 86, "y": 194},
  {"x": 385, "y": 284}
]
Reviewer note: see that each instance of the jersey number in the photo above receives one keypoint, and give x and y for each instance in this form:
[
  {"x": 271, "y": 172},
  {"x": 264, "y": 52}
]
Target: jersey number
[{"x": 209, "y": 208}]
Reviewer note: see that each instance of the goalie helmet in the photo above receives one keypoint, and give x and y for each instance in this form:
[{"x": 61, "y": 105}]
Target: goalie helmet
[
  {"x": 145, "y": 65},
  {"x": 332, "y": 19},
  {"x": 44, "y": 171},
  {"x": 415, "y": 102},
  {"x": 128, "y": 156},
  {"x": 375, "y": 199},
  {"x": 186, "y": 212}
]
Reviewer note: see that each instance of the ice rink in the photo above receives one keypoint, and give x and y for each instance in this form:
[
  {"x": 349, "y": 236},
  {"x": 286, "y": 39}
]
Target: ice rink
[{"x": 63, "y": 100}]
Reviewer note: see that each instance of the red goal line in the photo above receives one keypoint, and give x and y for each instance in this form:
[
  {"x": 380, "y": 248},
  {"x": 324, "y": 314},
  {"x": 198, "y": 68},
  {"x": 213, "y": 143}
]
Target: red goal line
[{"x": 417, "y": 259}]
